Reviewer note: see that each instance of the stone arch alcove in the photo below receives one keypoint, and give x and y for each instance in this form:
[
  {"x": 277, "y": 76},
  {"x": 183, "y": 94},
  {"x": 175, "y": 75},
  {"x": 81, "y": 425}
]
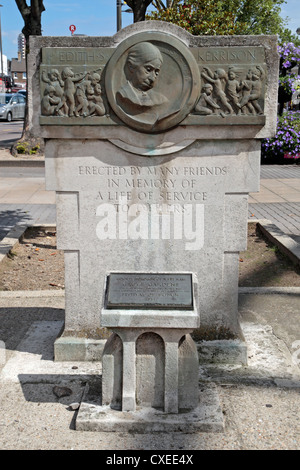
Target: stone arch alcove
[
  {"x": 150, "y": 370},
  {"x": 112, "y": 368}
]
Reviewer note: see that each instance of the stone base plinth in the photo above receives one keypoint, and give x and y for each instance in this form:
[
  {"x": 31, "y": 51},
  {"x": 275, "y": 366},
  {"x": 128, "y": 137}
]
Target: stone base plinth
[
  {"x": 207, "y": 417},
  {"x": 70, "y": 349}
]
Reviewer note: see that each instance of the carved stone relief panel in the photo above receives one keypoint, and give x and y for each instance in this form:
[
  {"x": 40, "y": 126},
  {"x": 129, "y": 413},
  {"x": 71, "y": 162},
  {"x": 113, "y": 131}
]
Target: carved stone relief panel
[
  {"x": 71, "y": 83},
  {"x": 232, "y": 81},
  {"x": 72, "y": 94},
  {"x": 153, "y": 82}
]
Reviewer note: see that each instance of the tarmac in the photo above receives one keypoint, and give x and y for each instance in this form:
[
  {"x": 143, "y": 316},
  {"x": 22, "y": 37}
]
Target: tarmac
[{"x": 258, "y": 404}]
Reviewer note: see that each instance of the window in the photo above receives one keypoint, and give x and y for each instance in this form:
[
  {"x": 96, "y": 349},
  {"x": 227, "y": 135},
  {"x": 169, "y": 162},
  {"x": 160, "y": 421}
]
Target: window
[{"x": 24, "y": 75}]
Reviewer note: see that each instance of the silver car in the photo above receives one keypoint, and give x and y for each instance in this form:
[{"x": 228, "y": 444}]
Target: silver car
[{"x": 12, "y": 106}]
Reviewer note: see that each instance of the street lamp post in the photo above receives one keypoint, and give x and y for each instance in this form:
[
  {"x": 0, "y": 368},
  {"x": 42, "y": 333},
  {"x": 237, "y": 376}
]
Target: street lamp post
[
  {"x": 2, "y": 74},
  {"x": 119, "y": 15},
  {"x": 120, "y": 3}
]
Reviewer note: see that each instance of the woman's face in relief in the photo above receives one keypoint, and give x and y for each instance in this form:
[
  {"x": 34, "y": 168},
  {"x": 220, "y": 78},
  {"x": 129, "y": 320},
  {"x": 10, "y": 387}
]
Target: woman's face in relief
[{"x": 144, "y": 75}]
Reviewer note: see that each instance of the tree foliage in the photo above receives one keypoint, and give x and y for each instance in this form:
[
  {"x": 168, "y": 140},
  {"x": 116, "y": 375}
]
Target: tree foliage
[
  {"x": 197, "y": 16},
  {"x": 212, "y": 17},
  {"x": 286, "y": 36},
  {"x": 259, "y": 17}
]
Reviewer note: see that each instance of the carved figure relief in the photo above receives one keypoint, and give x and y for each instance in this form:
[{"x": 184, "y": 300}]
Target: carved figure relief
[
  {"x": 206, "y": 105},
  {"x": 72, "y": 94},
  {"x": 229, "y": 93}
]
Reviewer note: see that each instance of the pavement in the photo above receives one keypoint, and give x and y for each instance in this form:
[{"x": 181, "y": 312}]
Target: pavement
[
  {"x": 39, "y": 398},
  {"x": 279, "y": 198},
  {"x": 23, "y": 198}
]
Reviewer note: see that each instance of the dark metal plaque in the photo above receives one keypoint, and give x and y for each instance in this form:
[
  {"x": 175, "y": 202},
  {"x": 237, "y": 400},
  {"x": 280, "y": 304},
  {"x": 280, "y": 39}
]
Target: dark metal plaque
[{"x": 149, "y": 291}]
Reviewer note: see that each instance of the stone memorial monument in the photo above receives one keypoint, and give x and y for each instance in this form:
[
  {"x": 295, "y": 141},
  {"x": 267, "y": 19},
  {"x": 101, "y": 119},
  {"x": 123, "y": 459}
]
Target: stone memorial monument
[{"x": 152, "y": 144}]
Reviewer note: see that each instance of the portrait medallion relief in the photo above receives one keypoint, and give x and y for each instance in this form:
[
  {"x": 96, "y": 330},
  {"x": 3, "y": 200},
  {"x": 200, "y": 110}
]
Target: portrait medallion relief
[{"x": 152, "y": 82}]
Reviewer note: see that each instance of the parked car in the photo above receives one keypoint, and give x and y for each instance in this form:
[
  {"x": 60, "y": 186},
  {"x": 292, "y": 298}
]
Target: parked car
[
  {"x": 12, "y": 106},
  {"x": 22, "y": 92}
]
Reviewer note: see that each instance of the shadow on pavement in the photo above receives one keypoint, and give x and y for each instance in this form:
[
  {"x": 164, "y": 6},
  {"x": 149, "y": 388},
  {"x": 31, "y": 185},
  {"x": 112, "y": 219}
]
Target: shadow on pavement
[{"x": 10, "y": 218}]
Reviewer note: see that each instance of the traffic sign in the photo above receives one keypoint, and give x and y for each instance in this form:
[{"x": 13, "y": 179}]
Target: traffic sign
[{"x": 72, "y": 28}]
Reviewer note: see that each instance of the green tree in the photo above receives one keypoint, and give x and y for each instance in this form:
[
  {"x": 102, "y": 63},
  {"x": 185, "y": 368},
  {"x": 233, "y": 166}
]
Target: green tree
[
  {"x": 197, "y": 16},
  {"x": 214, "y": 17},
  {"x": 259, "y": 17},
  {"x": 286, "y": 36},
  {"x": 159, "y": 4}
]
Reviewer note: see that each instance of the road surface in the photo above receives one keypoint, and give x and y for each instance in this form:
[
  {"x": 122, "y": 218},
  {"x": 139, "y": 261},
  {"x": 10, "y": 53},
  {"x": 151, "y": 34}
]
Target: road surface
[{"x": 10, "y": 132}]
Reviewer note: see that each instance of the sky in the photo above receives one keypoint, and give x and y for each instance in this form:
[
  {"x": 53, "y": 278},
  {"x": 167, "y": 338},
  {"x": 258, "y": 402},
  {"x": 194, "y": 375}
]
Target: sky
[{"x": 91, "y": 17}]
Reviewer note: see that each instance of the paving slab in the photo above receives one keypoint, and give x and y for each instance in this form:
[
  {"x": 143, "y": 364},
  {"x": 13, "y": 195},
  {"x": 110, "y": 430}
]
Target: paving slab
[
  {"x": 286, "y": 216},
  {"x": 280, "y": 171},
  {"x": 207, "y": 417}
]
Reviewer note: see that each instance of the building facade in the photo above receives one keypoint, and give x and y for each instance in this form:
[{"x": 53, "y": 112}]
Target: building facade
[
  {"x": 21, "y": 46},
  {"x": 18, "y": 72}
]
